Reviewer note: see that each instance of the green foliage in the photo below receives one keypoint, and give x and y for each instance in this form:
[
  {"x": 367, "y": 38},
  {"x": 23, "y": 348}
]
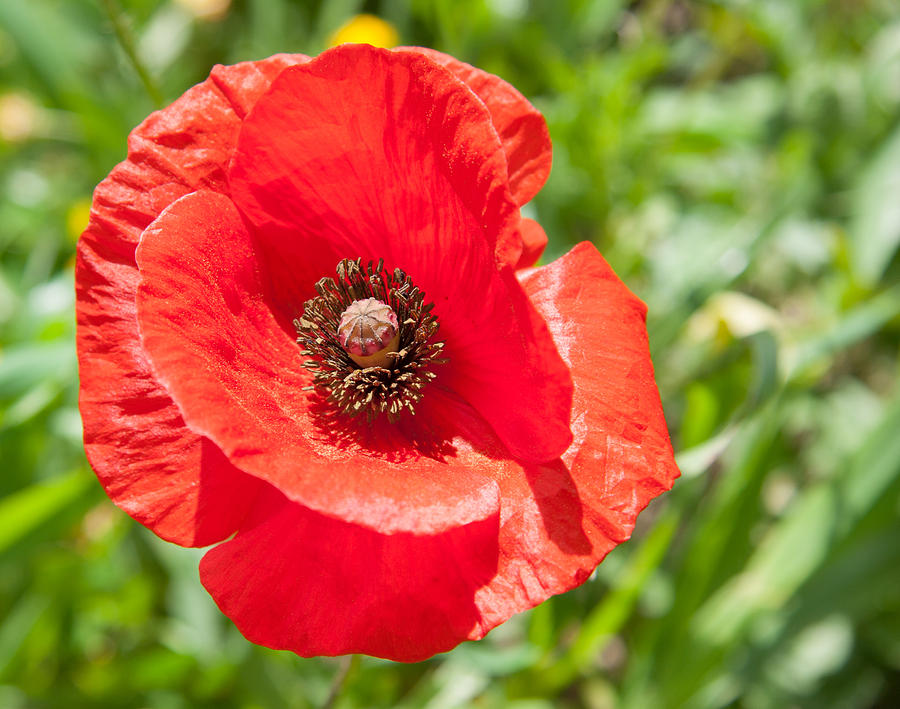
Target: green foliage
[{"x": 737, "y": 162}]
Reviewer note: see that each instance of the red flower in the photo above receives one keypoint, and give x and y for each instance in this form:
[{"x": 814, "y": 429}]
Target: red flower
[{"x": 402, "y": 535}]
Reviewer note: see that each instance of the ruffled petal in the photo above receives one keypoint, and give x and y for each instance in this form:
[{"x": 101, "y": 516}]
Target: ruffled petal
[
  {"x": 236, "y": 375},
  {"x": 521, "y": 127},
  {"x": 295, "y": 579},
  {"x": 372, "y": 154},
  {"x": 599, "y": 328},
  {"x": 150, "y": 464},
  {"x": 559, "y": 520},
  {"x": 534, "y": 242},
  {"x": 364, "y": 148}
]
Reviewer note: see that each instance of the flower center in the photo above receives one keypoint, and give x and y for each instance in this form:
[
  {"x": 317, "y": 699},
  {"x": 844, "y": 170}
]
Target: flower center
[{"x": 369, "y": 338}]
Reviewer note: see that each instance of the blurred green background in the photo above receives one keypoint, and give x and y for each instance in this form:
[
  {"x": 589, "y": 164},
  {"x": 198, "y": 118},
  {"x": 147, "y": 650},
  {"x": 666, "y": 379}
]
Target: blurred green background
[{"x": 738, "y": 163}]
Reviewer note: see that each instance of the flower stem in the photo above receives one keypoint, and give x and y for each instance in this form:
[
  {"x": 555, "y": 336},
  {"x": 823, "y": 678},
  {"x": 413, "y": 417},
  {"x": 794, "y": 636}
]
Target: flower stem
[
  {"x": 345, "y": 669},
  {"x": 126, "y": 41}
]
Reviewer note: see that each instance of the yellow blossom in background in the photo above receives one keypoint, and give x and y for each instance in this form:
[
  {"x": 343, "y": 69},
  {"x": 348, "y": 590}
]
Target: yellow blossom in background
[
  {"x": 365, "y": 29},
  {"x": 77, "y": 218},
  {"x": 730, "y": 314},
  {"x": 207, "y": 10},
  {"x": 20, "y": 117}
]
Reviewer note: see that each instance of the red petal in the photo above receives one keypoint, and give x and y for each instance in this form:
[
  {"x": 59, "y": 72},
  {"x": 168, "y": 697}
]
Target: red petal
[
  {"x": 297, "y": 580},
  {"x": 504, "y": 362},
  {"x": 362, "y": 148},
  {"x": 559, "y": 520},
  {"x": 237, "y": 378},
  {"x": 151, "y": 465},
  {"x": 521, "y": 127},
  {"x": 617, "y": 415},
  {"x": 534, "y": 240},
  {"x": 372, "y": 154}
]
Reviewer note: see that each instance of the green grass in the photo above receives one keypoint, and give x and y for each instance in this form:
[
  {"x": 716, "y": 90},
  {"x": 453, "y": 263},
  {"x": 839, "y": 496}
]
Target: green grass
[{"x": 738, "y": 163}]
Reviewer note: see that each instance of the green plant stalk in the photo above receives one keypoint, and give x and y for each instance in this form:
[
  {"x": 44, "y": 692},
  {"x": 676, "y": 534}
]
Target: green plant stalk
[
  {"x": 348, "y": 666},
  {"x": 126, "y": 41}
]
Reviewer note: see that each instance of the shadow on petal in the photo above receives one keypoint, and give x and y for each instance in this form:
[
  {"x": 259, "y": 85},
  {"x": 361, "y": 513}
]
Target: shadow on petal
[
  {"x": 561, "y": 509},
  {"x": 220, "y": 480},
  {"x": 408, "y": 439}
]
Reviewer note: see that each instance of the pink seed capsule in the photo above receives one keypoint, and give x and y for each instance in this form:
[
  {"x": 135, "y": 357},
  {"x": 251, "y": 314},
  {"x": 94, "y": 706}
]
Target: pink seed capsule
[{"x": 368, "y": 331}]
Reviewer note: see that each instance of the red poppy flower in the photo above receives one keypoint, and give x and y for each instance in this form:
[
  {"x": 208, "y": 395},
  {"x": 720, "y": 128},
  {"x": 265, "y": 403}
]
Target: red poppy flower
[{"x": 289, "y": 189}]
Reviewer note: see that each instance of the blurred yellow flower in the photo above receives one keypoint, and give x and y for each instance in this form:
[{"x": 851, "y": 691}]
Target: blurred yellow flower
[
  {"x": 208, "y": 10},
  {"x": 20, "y": 117},
  {"x": 77, "y": 218},
  {"x": 729, "y": 314},
  {"x": 365, "y": 29}
]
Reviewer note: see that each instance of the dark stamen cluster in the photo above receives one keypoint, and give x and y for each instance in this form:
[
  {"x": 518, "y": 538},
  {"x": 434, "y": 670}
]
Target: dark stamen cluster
[{"x": 371, "y": 390}]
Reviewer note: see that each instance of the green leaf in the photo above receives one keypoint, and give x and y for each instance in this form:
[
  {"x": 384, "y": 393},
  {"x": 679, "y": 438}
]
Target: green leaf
[
  {"x": 701, "y": 414},
  {"x": 24, "y": 367},
  {"x": 28, "y": 509},
  {"x": 875, "y": 229},
  {"x": 860, "y": 323},
  {"x": 803, "y": 541}
]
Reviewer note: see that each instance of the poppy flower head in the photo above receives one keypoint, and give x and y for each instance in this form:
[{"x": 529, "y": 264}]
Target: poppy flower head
[{"x": 309, "y": 334}]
